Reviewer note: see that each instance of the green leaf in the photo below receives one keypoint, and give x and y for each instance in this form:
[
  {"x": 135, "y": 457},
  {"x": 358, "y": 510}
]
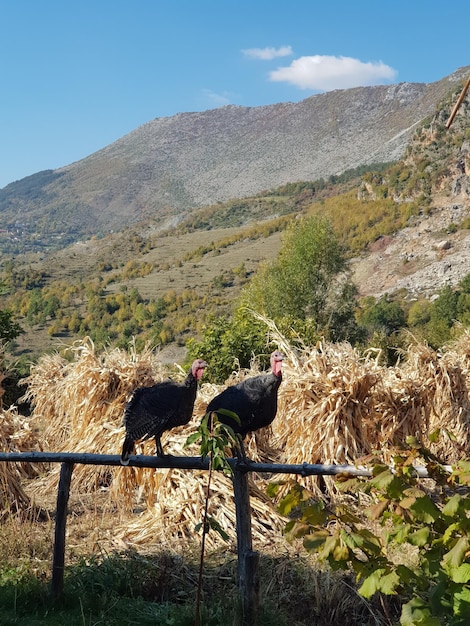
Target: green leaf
[
  {"x": 464, "y": 466},
  {"x": 420, "y": 537},
  {"x": 461, "y": 604},
  {"x": 388, "y": 483},
  {"x": 449, "y": 533},
  {"x": 389, "y": 583},
  {"x": 297, "y": 530},
  {"x": 289, "y": 526},
  {"x": 371, "y": 584},
  {"x": 417, "y": 613},
  {"x": 315, "y": 514},
  {"x": 412, "y": 441},
  {"x": 425, "y": 510},
  {"x": 214, "y": 524},
  {"x": 454, "y": 558},
  {"x": 414, "y": 492},
  {"x": 462, "y": 472},
  {"x": 273, "y": 488},
  {"x": 347, "y": 484},
  {"x": 330, "y": 544},
  {"x": 461, "y": 574},
  {"x": 452, "y": 506},
  {"x": 316, "y": 540},
  {"x": 378, "y": 468},
  {"x": 383, "y": 480},
  {"x": 363, "y": 539},
  {"x": 407, "y": 576},
  {"x": 434, "y": 436},
  {"x": 341, "y": 553},
  {"x": 228, "y": 413},
  {"x": 346, "y": 515},
  {"x": 290, "y": 501},
  {"x": 401, "y": 533},
  {"x": 192, "y": 439}
]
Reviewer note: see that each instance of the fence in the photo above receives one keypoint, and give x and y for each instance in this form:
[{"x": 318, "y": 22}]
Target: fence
[{"x": 247, "y": 571}]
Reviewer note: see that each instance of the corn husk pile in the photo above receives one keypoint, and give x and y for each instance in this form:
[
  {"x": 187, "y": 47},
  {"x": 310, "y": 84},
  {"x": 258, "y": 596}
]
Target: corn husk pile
[
  {"x": 400, "y": 408},
  {"x": 445, "y": 383},
  {"x": 324, "y": 404},
  {"x": 16, "y": 435},
  {"x": 173, "y": 502},
  {"x": 335, "y": 406},
  {"x": 80, "y": 403}
]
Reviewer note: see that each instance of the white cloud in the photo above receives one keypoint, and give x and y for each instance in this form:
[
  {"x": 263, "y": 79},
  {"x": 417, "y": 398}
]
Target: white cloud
[
  {"x": 325, "y": 73},
  {"x": 218, "y": 99},
  {"x": 267, "y": 54}
]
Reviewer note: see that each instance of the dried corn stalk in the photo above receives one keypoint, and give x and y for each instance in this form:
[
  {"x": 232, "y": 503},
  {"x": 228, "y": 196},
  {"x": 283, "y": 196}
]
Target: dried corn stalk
[
  {"x": 335, "y": 406},
  {"x": 16, "y": 435},
  {"x": 81, "y": 402}
]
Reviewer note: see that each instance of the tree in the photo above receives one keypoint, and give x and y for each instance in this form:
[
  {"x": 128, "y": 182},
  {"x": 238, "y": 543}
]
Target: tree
[
  {"x": 382, "y": 315},
  {"x": 230, "y": 341},
  {"x": 9, "y": 329},
  {"x": 445, "y": 306},
  {"x": 419, "y": 313},
  {"x": 308, "y": 281}
]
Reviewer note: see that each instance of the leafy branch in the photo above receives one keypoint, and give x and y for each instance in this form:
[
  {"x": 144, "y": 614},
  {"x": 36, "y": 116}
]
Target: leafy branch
[
  {"x": 213, "y": 437},
  {"x": 422, "y": 552}
]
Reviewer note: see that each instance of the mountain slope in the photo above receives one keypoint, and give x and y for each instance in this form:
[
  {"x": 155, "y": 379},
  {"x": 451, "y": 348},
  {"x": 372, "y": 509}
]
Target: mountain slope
[
  {"x": 409, "y": 221},
  {"x": 170, "y": 166}
]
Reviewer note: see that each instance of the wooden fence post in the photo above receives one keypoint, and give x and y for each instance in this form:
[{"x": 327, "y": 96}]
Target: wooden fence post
[
  {"x": 58, "y": 558},
  {"x": 248, "y": 560}
]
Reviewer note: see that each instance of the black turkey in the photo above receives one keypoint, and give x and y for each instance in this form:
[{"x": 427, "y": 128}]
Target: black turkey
[
  {"x": 253, "y": 400},
  {"x": 153, "y": 410}
]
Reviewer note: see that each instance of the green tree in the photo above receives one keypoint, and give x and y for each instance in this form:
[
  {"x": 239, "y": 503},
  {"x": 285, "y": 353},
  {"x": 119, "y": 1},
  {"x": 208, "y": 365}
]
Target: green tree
[
  {"x": 308, "y": 281},
  {"x": 382, "y": 315},
  {"x": 419, "y": 313},
  {"x": 445, "y": 307},
  {"x": 9, "y": 329},
  {"x": 229, "y": 341}
]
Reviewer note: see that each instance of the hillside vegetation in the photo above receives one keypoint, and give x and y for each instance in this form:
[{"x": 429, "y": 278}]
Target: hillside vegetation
[{"x": 163, "y": 287}]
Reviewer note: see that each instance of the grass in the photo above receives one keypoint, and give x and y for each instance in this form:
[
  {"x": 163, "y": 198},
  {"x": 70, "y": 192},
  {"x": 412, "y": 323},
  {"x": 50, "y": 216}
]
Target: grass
[
  {"x": 132, "y": 589},
  {"x": 160, "y": 587}
]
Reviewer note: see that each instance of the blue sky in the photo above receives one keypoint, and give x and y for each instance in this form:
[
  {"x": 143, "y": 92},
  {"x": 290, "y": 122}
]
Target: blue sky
[{"x": 76, "y": 76}]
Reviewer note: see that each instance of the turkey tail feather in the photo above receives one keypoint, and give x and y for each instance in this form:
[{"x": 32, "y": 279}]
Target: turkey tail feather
[{"x": 127, "y": 450}]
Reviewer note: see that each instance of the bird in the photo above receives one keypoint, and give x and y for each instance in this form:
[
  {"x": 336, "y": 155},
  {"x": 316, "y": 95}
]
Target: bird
[
  {"x": 153, "y": 410},
  {"x": 253, "y": 400}
]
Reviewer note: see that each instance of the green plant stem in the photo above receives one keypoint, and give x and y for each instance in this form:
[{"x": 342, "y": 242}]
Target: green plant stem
[{"x": 203, "y": 544}]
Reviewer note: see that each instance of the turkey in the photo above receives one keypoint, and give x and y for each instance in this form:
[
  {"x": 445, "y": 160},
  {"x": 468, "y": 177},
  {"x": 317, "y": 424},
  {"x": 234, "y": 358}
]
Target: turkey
[
  {"x": 153, "y": 410},
  {"x": 254, "y": 400}
]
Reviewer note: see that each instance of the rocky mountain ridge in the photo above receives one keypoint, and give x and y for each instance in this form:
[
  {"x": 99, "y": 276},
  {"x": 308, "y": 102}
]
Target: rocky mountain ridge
[
  {"x": 166, "y": 168},
  {"x": 422, "y": 258},
  {"x": 433, "y": 250}
]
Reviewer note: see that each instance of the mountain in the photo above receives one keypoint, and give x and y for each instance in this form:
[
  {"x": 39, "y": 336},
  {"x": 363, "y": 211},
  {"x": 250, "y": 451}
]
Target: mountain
[
  {"x": 406, "y": 226},
  {"x": 163, "y": 170}
]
